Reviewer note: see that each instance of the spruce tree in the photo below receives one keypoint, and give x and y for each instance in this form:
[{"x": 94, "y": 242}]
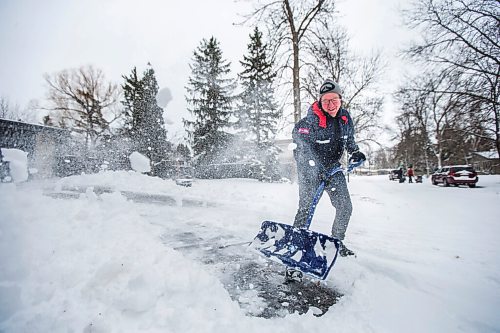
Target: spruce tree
[
  {"x": 132, "y": 92},
  {"x": 258, "y": 114},
  {"x": 209, "y": 102},
  {"x": 183, "y": 151},
  {"x": 144, "y": 124}
]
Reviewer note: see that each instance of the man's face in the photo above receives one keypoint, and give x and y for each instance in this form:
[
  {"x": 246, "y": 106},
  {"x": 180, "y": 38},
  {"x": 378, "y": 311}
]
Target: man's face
[{"x": 331, "y": 103}]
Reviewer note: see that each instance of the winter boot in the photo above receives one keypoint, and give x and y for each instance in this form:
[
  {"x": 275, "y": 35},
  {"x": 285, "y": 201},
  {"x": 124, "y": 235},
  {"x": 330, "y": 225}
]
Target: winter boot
[
  {"x": 293, "y": 275},
  {"x": 344, "y": 251}
]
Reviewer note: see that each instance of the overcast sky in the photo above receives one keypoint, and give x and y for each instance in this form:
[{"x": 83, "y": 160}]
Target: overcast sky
[{"x": 38, "y": 37}]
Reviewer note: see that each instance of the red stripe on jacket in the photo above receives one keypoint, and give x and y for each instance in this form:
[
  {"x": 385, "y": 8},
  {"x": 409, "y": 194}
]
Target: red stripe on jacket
[{"x": 321, "y": 115}]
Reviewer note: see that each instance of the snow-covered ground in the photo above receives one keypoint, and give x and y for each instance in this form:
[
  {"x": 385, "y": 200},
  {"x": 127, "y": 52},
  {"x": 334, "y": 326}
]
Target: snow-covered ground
[{"x": 79, "y": 255}]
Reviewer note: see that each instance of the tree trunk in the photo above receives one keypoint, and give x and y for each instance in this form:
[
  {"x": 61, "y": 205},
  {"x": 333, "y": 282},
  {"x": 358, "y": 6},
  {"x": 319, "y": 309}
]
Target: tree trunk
[{"x": 296, "y": 81}]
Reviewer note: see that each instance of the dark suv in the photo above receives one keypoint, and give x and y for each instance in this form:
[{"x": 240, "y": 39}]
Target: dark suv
[
  {"x": 394, "y": 174},
  {"x": 455, "y": 175}
]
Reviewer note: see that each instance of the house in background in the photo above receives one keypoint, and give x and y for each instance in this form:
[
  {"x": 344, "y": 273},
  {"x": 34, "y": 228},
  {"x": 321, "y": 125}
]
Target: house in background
[
  {"x": 486, "y": 161},
  {"x": 44, "y": 144}
]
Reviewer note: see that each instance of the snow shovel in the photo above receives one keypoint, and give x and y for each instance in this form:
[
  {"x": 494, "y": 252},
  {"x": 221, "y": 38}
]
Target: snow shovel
[{"x": 310, "y": 252}]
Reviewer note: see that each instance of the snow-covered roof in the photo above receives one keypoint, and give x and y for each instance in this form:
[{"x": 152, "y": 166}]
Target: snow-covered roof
[
  {"x": 489, "y": 154},
  {"x": 457, "y": 166},
  {"x": 9, "y": 122}
]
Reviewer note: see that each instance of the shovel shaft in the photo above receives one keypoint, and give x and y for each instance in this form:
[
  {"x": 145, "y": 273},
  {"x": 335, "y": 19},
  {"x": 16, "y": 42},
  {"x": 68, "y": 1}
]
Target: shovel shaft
[{"x": 321, "y": 188}]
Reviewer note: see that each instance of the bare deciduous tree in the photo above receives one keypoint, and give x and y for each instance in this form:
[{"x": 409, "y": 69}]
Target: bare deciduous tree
[
  {"x": 83, "y": 101},
  {"x": 440, "y": 116},
  {"x": 331, "y": 57},
  {"x": 15, "y": 112},
  {"x": 289, "y": 23},
  {"x": 463, "y": 37},
  {"x": 7, "y": 111}
]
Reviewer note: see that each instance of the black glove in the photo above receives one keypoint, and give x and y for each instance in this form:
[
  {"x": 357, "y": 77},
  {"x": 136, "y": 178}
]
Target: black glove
[
  {"x": 356, "y": 157},
  {"x": 324, "y": 177}
]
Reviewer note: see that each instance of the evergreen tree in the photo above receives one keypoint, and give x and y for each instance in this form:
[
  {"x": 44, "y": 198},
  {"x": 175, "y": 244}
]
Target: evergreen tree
[
  {"x": 144, "y": 124},
  {"x": 183, "y": 151},
  {"x": 258, "y": 114},
  {"x": 209, "y": 99},
  {"x": 132, "y": 91}
]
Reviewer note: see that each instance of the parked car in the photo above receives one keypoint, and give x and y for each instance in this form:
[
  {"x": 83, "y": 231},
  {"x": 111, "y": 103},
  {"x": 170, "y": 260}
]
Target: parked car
[
  {"x": 397, "y": 174},
  {"x": 393, "y": 174},
  {"x": 187, "y": 182},
  {"x": 455, "y": 175},
  {"x": 184, "y": 176}
]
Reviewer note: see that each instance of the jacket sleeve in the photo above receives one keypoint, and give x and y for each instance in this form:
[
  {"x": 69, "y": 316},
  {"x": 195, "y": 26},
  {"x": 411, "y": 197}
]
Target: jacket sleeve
[
  {"x": 303, "y": 137},
  {"x": 351, "y": 145}
]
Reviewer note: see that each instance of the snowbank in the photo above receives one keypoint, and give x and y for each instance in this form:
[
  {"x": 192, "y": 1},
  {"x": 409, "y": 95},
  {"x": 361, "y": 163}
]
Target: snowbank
[{"x": 427, "y": 257}]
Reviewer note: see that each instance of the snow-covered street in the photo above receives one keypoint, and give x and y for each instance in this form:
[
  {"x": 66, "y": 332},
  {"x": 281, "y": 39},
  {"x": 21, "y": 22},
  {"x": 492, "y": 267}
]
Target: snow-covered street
[{"x": 106, "y": 253}]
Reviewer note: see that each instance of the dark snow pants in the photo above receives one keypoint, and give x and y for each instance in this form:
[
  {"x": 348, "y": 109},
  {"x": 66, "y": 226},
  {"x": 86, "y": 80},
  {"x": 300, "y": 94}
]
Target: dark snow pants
[{"x": 336, "y": 188}]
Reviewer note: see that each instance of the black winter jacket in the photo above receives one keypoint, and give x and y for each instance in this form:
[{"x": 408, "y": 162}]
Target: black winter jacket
[{"x": 322, "y": 139}]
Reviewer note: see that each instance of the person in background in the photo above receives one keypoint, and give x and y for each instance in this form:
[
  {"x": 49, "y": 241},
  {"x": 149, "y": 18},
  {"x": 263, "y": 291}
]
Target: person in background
[
  {"x": 400, "y": 175},
  {"x": 410, "y": 173}
]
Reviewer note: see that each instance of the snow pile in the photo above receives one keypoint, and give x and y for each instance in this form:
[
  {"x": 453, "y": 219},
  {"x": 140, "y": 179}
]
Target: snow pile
[
  {"x": 118, "y": 180},
  {"x": 98, "y": 268},
  {"x": 427, "y": 257}
]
